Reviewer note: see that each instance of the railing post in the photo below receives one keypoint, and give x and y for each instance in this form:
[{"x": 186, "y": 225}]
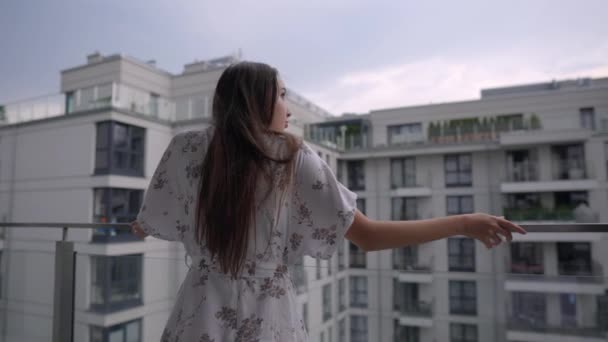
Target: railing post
[{"x": 63, "y": 302}]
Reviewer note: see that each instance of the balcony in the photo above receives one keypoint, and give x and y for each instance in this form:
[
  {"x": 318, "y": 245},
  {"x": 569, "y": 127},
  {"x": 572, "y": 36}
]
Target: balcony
[
  {"x": 55, "y": 291},
  {"x": 529, "y": 330},
  {"x": 108, "y": 96}
]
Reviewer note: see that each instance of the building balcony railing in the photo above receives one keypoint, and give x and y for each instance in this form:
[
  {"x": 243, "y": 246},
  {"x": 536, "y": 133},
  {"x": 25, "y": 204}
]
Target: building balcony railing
[
  {"x": 415, "y": 308},
  {"x": 539, "y": 214},
  {"x": 107, "y": 96},
  {"x": 542, "y": 327},
  {"x": 62, "y": 292}
]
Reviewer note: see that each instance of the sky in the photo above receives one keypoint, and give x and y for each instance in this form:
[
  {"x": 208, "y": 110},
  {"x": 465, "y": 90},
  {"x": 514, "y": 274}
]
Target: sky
[{"x": 343, "y": 55}]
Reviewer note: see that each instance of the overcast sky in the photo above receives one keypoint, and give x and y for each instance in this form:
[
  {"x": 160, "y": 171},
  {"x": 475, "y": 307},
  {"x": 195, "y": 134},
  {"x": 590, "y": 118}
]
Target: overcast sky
[{"x": 344, "y": 55}]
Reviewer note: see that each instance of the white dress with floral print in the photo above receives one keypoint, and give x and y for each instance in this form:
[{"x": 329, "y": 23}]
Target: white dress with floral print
[{"x": 310, "y": 218}]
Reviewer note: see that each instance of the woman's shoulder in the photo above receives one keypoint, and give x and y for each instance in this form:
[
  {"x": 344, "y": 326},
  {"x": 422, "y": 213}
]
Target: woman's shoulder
[{"x": 192, "y": 140}]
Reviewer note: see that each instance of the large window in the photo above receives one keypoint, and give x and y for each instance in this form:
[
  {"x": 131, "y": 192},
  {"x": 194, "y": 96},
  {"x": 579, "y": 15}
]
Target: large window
[
  {"x": 361, "y": 205},
  {"x": 123, "y": 332},
  {"x": 342, "y": 330},
  {"x": 357, "y": 256},
  {"x": 403, "y": 173},
  {"x": 405, "y": 257},
  {"x": 458, "y": 170},
  {"x": 404, "y": 208},
  {"x": 460, "y": 332},
  {"x": 527, "y": 258},
  {"x": 358, "y": 291},
  {"x": 356, "y": 174},
  {"x": 326, "y": 302},
  {"x": 405, "y": 133},
  {"x": 569, "y": 162},
  {"x": 116, "y": 282},
  {"x": 111, "y": 205},
  {"x": 358, "y": 328},
  {"x": 574, "y": 258},
  {"x": 342, "y": 294},
  {"x": 119, "y": 149},
  {"x": 587, "y": 117},
  {"x": 463, "y": 297},
  {"x": 529, "y": 308},
  {"x": 405, "y": 333},
  {"x": 461, "y": 255},
  {"x": 459, "y": 205}
]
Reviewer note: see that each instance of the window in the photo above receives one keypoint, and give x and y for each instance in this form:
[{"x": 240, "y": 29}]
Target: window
[
  {"x": 341, "y": 256},
  {"x": 404, "y": 208},
  {"x": 463, "y": 297},
  {"x": 123, "y": 332},
  {"x": 358, "y": 328},
  {"x": 329, "y": 262},
  {"x": 69, "y": 102},
  {"x": 357, "y": 256},
  {"x": 568, "y": 161},
  {"x": 406, "y": 133},
  {"x": 527, "y": 258},
  {"x": 358, "y": 291},
  {"x": 305, "y": 314},
  {"x": 405, "y": 297},
  {"x": 318, "y": 268},
  {"x": 405, "y": 332},
  {"x": 460, "y": 332},
  {"x": 326, "y": 302},
  {"x": 342, "y": 330},
  {"x": 405, "y": 257},
  {"x": 115, "y": 282},
  {"x": 361, "y": 205},
  {"x": 587, "y": 117},
  {"x": 459, "y": 204},
  {"x": 403, "y": 173},
  {"x": 461, "y": 254},
  {"x": 342, "y": 294},
  {"x": 119, "y": 149},
  {"x": 300, "y": 276},
  {"x": 356, "y": 174},
  {"x": 529, "y": 308},
  {"x": 458, "y": 170},
  {"x": 112, "y": 205},
  {"x": 574, "y": 258}
]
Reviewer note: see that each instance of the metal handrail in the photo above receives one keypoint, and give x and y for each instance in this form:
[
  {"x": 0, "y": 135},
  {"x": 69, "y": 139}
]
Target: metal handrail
[{"x": 65, "y": 263}]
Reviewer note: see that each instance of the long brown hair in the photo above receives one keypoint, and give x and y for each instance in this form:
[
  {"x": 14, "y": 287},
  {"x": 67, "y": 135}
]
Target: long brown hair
[{"x": 237, "y": 158}]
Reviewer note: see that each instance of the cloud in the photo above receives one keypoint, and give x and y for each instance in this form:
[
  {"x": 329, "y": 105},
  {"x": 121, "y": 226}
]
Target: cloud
[{"x": 443, "y": 79}]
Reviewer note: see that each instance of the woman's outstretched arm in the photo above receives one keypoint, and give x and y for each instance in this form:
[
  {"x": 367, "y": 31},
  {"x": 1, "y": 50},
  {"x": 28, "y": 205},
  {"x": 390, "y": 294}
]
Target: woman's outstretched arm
[{"x": 372, "y": 235}]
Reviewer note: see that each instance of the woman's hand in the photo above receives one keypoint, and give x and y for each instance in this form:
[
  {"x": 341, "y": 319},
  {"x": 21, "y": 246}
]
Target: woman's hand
[
  {"x": 137, "y": 231},
  {"x": 488, "y": 229}
]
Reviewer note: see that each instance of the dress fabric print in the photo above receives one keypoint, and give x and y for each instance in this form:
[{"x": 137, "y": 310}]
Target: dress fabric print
[{"x": 308, "y": 218}]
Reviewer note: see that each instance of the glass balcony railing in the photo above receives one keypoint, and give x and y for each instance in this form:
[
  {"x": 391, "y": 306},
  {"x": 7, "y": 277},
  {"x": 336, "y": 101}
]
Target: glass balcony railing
[
  {"x": 72, "y": 290},
  {"x": 111, "y": 95},
  {"x": 526, "y": 171},
  {"x": 539, "y": 214}
]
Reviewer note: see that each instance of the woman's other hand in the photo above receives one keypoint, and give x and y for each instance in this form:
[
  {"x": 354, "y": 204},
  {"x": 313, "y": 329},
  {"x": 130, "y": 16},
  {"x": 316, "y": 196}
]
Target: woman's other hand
[{"x": 488, "y": 229}]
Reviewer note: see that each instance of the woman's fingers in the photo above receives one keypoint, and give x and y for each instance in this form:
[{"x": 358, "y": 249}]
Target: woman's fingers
[{"x": 510, "y": 226}]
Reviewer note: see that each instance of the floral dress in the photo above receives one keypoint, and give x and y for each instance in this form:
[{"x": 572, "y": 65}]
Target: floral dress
[{"x": 309, "y": 216}]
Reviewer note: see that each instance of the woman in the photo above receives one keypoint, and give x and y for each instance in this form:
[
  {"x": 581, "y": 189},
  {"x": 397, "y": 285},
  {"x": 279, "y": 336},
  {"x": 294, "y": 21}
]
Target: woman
[{"x": 248, "y": 200}]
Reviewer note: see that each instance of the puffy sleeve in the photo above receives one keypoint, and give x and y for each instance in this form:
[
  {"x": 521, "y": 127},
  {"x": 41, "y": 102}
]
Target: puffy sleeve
[
  {"x": 161, "y": 210},
  {"x": 321, "y": 208}
]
